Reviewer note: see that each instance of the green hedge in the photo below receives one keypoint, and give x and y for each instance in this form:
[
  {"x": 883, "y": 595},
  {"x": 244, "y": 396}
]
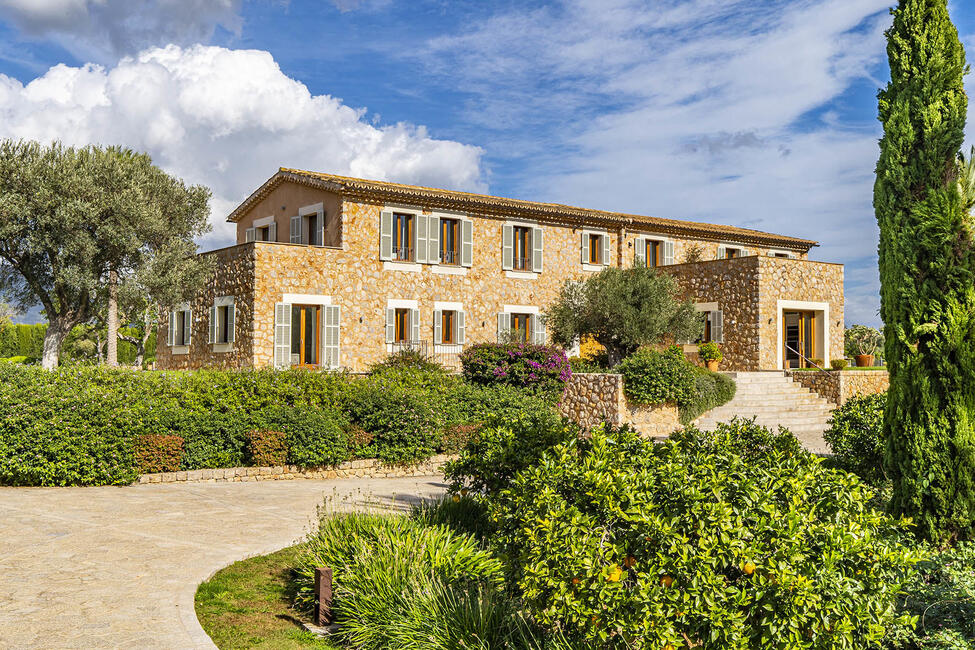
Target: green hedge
[
  {"x": 856, "y": 437},
  {"x": 76, "y": 426}
]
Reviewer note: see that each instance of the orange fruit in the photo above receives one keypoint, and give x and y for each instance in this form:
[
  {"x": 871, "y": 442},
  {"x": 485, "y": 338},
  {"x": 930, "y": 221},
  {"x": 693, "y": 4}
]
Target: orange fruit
[
  {"x": 576, "y": 581},
  {"x": 629, "y": 562},
  {"x": 456, "y": 498},
  {"x": 666, "y": 581},
  {"x": 463, "y": 492},
  {"x": 748, "y": 568},
  {"x": 615, "y": 573}
]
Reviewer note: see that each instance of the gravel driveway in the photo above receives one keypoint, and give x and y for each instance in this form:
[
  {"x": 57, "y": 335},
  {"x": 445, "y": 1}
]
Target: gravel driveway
[{"x": 117, "y": 567}]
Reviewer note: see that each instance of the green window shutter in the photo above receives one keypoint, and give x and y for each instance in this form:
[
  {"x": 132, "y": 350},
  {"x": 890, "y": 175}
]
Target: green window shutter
[
  {"x": 250, "y": 235},
  {"x": 331, "y": 331},
  {"x": 467, "y": 243},
  {"x": 282, "y": 335},
  {"x": 461, "y": 328},
  {"x": 231, "y": 321},
  {"x": 437, "y": 327},
  {"x": 187, "y": 327},
  {"x": 213, "y": 325},
  {"x": 272, "y": 231},
  {"x": 386, "y": 235},
  {"x": 504, "y": 326},
  {"x": 414, "y": 324},
  {"x": 171, "y": 333},
  {"x": 584, "y": 238},
  {"x": 538, "y": 242},
  {"x": 668, "y": 253},
  {"x": 433, "y": 239},
  {"x": 421, "y": 238},
  {"x": 390, "y": 325},
  {"x": 507, "y": 247},
  {"x": 605, "y": 242},
  {"x": 640, "y": 252}
]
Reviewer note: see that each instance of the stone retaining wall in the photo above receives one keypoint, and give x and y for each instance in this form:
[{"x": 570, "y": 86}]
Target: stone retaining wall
[
  {"x": 838, "y": 386},
  {"x": 593, "y": 398},
  {"x": 364, "y": 468}
]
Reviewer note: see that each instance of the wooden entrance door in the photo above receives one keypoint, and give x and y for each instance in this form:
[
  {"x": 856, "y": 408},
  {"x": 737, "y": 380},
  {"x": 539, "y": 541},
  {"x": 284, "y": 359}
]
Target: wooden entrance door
[{"x": 799, "y": 338}]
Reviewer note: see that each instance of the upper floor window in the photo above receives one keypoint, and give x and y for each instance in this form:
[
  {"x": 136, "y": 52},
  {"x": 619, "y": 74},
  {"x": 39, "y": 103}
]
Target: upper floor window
[
  {"x": 268, "y": 232},
  {"x": 521, "y": 248},
  {"x": 783, "y": 254},
  {"x": 450, "y": 241},
  {"x": 522, "y": 254},
  {"x": 730, "y": 252},
  {"x": 652, "y": 253},
  {"x": 595, "y": 248},
  {"x": 403, "y": 233},
  {"x": 308, "y": 226}
]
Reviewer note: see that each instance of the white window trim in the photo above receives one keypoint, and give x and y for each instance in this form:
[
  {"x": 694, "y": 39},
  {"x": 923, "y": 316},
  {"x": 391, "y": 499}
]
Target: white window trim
[
  {"x": 521, "y": 309},
  {"x": 822, "y": 332},
  {"x": 181, "y": 349},
  {"x": 522, "y": 222},
  {"x": 305, "y": 299},
  {"x": 642, "y": 237},
  {"x": 522, "y": 275},
  {"x": 263, "y": 222},
  {"x": 317, "y": 208},
  {"x": 448, "y": 306},
  {"x": 394, "y": 303},
  {"x": 742, "y": 250},
  {"x": 402, "y": 208},
  {"x": 409, "y": 267},
  {"x": 224, "y": 301},
  {"x": 448, "y": 348},
  {"x": 586, "y": 266},
  {"x": 706, "y": 306},
  {"x": 772, "y": 252},
  {"x": 446, "y": 269}
]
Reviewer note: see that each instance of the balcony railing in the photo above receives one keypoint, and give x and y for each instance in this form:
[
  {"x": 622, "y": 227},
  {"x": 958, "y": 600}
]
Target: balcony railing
[
  {"x": 522, "y": 264},
  {"x": 446, "y": 354},
  {"x": 404, "y": 254},
  {"x": 449, "y": 257}
]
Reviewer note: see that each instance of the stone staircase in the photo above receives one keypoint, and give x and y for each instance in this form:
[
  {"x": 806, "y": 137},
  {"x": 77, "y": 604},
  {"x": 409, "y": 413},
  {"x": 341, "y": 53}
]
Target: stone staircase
[{"x": 773, "y": 399}]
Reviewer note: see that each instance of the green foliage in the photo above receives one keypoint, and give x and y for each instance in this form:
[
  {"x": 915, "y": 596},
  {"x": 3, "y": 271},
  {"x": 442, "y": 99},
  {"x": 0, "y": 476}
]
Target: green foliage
[
  {"x": 580, "y": 366},
  {"x": 709, "y": 351},
  {"x": 18, "y": 340},
  {"x": 623, "y": 309},
  {"x": 651, "y": 377},
  {"x": 942, "y": 597},
  {"x": 409, "y": 359},
  {"x": 314, "y": 436},
  {"x": 838, "y": 364},
  {"x": 732, "y": 539},
  {"x": 856, "y": 437},
  {"x": 927, "y": 265},
  {"x": 267, "y": 448},
  {"x": 541, "y": 369},
  {"x": 457, "y": 511},
  {"x": 861, "y": 339},
  {"x": 157, "y": 453}
]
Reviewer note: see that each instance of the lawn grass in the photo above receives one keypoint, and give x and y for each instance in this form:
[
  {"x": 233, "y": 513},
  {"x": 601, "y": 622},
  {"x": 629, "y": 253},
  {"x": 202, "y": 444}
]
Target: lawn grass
[{"x": 247, "y": 605}]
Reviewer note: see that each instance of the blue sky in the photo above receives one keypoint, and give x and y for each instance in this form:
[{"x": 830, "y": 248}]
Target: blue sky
[{"x": 758, "y": 114}]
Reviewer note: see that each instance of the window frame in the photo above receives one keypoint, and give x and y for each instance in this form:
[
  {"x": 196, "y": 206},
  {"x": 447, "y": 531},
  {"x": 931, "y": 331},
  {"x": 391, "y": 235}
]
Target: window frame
[
  {"x": 521, "y": 236},
  {"x": 454, "y": 253},
  {"x": 515, "y": 318},
  {"x": 299, "y": 327},
  {"x": 448, "y": 327},
  {"x": 401, "y": 319},
  {"x": 398, "y": 234}
]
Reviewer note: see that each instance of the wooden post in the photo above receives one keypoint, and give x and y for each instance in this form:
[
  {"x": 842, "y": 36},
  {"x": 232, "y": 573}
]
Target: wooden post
[{"x": 323, "y": 594}]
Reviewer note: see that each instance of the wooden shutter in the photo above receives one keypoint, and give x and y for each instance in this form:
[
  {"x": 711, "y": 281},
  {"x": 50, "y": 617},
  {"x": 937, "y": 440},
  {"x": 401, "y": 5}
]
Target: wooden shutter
[
  {"x": 437, "y": 327},
  {"x": 604, "y": 260},
  {"x": 584, "y": 247},
  {"x": 467, "y": 243},
  {"x": 213, "y": 324},
  {"x": 390, "y": 325},
  {"x": 331, "y": 331},
  {"x": 421, "y": 238},
  {"x": 321, "y": 228},
  {"x": 282, "y": 335},
  {"x": 668, "y": 253},
  {"x": 386, "y": 235},
  {"x": 507, "y": 247},
  {"x": 231, "y": 321},
  {"x": 717, "y": 326},
  {"x": 433, "y": 240},
  {"x": 722, "y": 253},
  {"x": 187, "y": 327},
  {"x": 538, "y": 241},
  {"x": 272, "y": 231},
  {"x": 504, "y": 326},
  {"x": 250, "y": 235},
  {"x": 536, "y": 324},
  {"x": 640, "y": 253},
  {"x": 171, "y": 332},
  {"x": 414, "y": 324},
  {"x": 295, "y": 230},
  {"x": 461, "y": 328}
]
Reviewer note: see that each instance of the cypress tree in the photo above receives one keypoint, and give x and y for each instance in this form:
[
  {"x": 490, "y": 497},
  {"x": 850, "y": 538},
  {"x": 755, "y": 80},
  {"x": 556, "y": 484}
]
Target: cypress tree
[{"x": 927, "y": 275}]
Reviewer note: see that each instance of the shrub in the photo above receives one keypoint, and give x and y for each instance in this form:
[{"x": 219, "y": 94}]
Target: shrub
[
  {"x": 409, "y": 359},
  {"x": 704, "y": 541},
  {"x": 709, "y": 351},
  {"x": 580, "y": 366},
  {"x": 651, "y": 377},
  {"x": 267, "y": 448},
  {"x": 711, "y": 390},
  {"x": 402, "y": 419},
  {"x": 816, "y": 361},
  {"x": 459, "y": 512},
  {"x": 838, "y": 364},
  {"x": 458, "y": 436},
  {"x": 157, "y": 453},
  {"x": 538, "y": 368},
  {"x": 855, "y": 436},
  {"x": 314, "y": 437}
]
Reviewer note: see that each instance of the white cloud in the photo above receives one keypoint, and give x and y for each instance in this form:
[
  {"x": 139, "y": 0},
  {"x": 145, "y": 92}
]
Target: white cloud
[
  {"x": 226, "y": 119},
  {"x": 103, "y": 30}
]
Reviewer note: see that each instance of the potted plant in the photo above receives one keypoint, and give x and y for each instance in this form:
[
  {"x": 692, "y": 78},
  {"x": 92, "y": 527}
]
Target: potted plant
[
  {"x": 710, "y": 354},
  {"x": 862, "y": 342}
]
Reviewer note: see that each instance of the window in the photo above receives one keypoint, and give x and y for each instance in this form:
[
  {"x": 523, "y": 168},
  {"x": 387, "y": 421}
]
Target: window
[
  {"x": 305, "y": 335},
  {"x": 264, "y": 234},
  {"x": 450, "y": 241},
  {"x": 782, "y": 254},
  {"x": 595, "y": 248},
  {"x": 308, "y": 228},
  {"x": 730, "y": 252},
  {"x": 180, "y": 327},
  {"x": 654, "y": 253},
  {"x": 402, "y": 321},
  {"x": 448, "y": 320},
  {"x": 403, "y": 237},
  {"x": 520, "y": 327},
  {"x": 522, "y": 253},
  {"x": 713, "y": 326}
]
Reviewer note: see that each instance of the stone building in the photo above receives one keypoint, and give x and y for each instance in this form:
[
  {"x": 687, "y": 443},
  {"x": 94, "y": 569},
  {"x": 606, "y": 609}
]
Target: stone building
[{"x": 337, "y": 272}]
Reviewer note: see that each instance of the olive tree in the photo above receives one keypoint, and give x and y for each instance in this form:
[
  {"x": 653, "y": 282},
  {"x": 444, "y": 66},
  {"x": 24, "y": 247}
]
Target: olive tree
[{"x": 623, "y": 309}]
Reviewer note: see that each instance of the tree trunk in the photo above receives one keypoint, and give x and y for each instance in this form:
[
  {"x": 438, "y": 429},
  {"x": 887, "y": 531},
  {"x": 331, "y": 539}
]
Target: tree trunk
[
  {"x": 111, "y": 352},
  {"x": 57, "y": 330}
]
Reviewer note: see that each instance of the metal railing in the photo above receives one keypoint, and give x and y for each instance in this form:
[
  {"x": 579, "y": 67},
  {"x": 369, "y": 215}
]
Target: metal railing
[
  {"x": 420, "y": 347},
  {"x": 804, "y": 358},
  {"x": 522, "y": 264},
  {"x": 449, "y": 257},
  {"x": 403, "y": 253}
]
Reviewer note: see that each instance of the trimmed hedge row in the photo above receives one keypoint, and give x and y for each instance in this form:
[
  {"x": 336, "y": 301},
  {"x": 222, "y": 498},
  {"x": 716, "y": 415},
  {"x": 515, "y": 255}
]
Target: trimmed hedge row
[{"x": 80, "y": 425}]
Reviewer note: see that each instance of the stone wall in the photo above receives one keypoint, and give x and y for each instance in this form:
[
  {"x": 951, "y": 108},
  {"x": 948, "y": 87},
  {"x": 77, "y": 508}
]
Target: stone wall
[
  {"x": 364, "y": 468},
  {"x": 838, "y": 386},
  {"x": 591, "y": 399}
]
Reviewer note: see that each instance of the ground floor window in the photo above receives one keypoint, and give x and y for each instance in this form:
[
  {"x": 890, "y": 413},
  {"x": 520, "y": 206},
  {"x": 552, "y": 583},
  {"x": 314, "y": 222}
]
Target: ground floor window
[
  {"x": 222, "y": 317},
  {"x": 448, "y": 327},
  {"x": 180, "y": 327},
  {"x": 305, "y": 335},
  {"x": 521, "y": 327}
]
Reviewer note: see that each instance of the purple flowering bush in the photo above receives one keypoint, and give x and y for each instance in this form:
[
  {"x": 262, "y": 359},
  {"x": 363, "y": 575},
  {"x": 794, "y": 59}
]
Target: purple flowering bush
[{"x": 542, "y": 369}]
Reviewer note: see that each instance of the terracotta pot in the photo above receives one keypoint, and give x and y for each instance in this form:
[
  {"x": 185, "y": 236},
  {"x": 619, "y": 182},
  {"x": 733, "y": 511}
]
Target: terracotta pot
[
  {"x": 712, "y": 365},
  {"x": 864, "y": 360}
]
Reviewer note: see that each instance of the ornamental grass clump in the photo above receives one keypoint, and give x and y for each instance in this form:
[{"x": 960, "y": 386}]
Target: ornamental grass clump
[{"x": 736, "y": 539}]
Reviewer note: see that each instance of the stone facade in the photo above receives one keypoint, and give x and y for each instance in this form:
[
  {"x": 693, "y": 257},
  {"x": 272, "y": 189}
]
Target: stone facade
[
  {"x": 364, "y": 468},
  {"x": 592, "y": 399},
  {"x": 838, "y": 386},
  {"x": 347, "y": 272}
]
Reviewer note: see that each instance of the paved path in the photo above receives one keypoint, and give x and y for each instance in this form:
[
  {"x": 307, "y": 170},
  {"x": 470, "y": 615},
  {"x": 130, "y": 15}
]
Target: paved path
[{"x": 117, "y": 567}]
